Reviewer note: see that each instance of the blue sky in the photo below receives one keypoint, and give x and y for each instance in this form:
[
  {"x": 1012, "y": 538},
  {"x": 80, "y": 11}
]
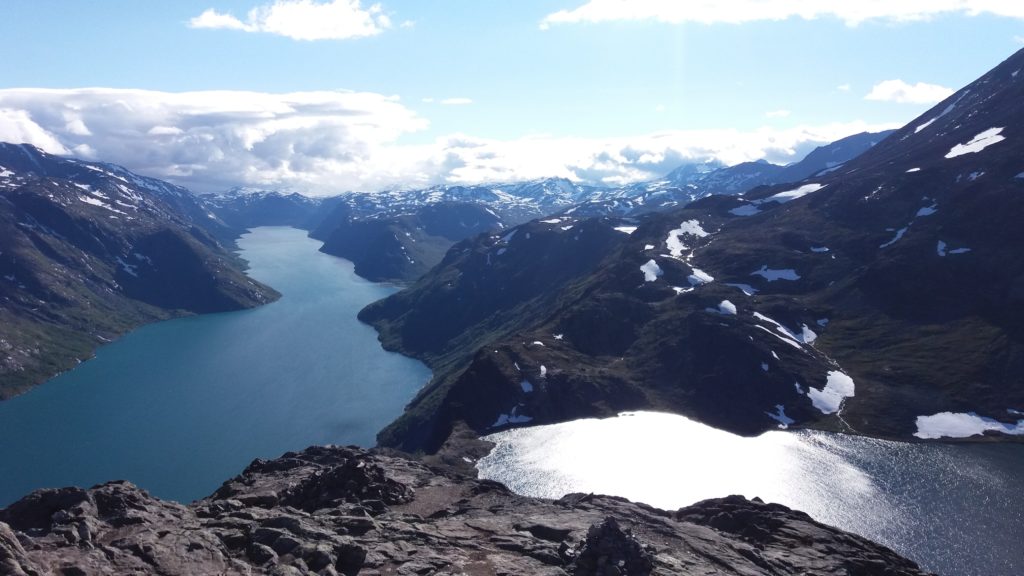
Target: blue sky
[{"x": 603, "y": 91}]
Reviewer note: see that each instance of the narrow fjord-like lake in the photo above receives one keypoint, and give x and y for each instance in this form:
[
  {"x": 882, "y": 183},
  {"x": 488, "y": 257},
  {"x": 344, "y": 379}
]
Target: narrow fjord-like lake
[{"x": 178, "y": 407}]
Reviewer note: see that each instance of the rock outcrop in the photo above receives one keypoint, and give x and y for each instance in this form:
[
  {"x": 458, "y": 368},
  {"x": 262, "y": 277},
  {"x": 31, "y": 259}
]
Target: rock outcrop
[{"x": 333, "y": 510}]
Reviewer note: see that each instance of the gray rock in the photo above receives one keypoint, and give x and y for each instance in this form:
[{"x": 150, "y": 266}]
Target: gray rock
[{"x": 331, "y": 510}]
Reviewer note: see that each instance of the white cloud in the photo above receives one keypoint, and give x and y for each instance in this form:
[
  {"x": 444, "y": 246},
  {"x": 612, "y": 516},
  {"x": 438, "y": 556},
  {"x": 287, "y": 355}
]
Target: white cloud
[
  {"x": 330, "y": 142},
  {"x": 740, "y": 11},
  {"x": 843, "y": 87},
  {"x": 1018, "y": 39},
  {"x": 900, "y": 91},
  {"x": 456, "y": 101},
  {"x": 303, "y": 20},
  {"x": 778, "y": 114}
]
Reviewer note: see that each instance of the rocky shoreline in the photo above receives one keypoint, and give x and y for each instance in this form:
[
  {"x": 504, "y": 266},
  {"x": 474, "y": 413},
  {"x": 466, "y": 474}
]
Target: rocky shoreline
[{"x": 344, "y": 510}]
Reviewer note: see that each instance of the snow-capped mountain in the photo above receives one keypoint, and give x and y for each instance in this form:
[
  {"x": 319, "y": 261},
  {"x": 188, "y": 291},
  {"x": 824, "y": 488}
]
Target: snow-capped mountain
[{"x": 881, "y": 296}]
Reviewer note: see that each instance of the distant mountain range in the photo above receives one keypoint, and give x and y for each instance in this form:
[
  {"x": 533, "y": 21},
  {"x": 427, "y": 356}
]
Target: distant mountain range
[
  {"x": 884, "y": 296},
  {"x": 398, "y": 235},
  {"x": 90, "y": 250}
]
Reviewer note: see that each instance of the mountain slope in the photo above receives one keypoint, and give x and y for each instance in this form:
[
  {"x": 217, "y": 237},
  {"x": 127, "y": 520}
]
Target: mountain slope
[
  {"x": 89, "y": 251},
  {"x": 881, "y": 298},
  {"x": 402, "y": 246}
]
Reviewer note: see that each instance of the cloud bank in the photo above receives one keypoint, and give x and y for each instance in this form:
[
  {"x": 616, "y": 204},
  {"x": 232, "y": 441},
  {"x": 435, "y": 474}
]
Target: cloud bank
[
  {"x": 904, "y": 93},
  {"x": 330, "y": 142},
  {"x": 303, "y": 20},
  {"x": 740, "y": 11}
]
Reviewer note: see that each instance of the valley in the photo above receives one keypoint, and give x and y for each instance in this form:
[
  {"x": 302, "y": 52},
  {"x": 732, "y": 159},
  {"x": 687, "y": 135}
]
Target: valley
[{"x": 786, "y": 340}]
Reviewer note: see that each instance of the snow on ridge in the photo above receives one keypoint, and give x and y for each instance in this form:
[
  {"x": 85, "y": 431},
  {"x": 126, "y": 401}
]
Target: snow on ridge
[
  {"x": 651, "y": 271},
  {"x": 783, "y": 197},
  {"x": 978, "y": 143},
  {"x": 962, "y": 425},
  {"x": 947, "y": 110},
  {"x": 772, "y": 275},
  {"x": 625, "y": 229},
  {"x": 829, "y": 399}
]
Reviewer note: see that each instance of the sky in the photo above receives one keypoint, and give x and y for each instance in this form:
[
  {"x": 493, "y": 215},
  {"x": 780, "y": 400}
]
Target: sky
[{"x": 327, "y": 96}]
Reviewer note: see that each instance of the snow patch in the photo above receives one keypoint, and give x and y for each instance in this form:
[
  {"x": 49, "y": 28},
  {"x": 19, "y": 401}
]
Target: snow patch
[
  {"x": 764, "y": 366},
  {"x": 651, "y": 271},
  {"x": 822, "y": 322},
  {"x": 625, "y": 229},
  {"x": 511, "y": 418},
  {"x": 726, "y": 307},
  {"x": 899, "y": 235},
  {"x": 912, "y": 170},
  {"x": 745, "y": 288},
  {"x": 674, "y": 239},
  {"x": 772, "y": 275},
  {"x": 700, "y": 277},
  {"x": 928, "y": 210},
  {"x": 552, "y": 221},
  {"x": 978, "y": 143},
  {"x": 959, "y": 425},
  {"x": 780, "y": 416},
  {"x": 745, "y": 210},
  {"x": 819, "y": 249},
  {"x": 648, "y": 246},
  {"x": 829, "y": 399},
  {"x": 526, "y": 386}
]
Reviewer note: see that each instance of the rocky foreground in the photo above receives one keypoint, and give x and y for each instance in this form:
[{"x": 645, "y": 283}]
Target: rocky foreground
[{"x": 331, "y": 510}]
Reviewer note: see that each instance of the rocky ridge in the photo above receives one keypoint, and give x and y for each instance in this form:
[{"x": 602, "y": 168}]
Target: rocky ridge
[{"x": 334, "y": 510}]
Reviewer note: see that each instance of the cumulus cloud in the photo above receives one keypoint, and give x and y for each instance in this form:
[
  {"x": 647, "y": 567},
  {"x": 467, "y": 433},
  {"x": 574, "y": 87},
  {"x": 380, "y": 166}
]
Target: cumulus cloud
[
  {"x": 904, "y": 93},
  {"x": 330, "y": 142},
  {"x": 303, "y": 20},
  {"x": 740, "y": 11}
]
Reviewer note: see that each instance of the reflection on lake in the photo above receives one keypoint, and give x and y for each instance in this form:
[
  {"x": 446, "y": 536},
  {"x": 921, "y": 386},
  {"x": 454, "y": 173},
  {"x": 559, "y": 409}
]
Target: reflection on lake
[{"x": 955, "y": 509}]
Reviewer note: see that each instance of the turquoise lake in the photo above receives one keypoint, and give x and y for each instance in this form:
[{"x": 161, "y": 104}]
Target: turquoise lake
[{"x": 180, "y": 406}]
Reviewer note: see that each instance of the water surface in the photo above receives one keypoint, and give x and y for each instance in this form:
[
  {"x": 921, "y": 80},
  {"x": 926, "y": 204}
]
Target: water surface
[
  {"x": 955, "y": 509},
  {"x": 178, "y": 407}
]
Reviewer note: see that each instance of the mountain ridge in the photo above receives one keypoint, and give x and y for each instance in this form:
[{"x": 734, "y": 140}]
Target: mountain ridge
[{"x": 836, "y": 302}]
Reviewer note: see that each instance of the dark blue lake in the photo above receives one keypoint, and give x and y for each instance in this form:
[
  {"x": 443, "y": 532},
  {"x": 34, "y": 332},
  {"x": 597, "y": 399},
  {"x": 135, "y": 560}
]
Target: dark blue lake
[{"x": 178, "y": 407}]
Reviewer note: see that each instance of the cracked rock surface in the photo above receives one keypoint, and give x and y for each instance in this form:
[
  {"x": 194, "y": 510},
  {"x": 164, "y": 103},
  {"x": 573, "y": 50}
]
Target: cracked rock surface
[{"x": 344, "y": 510}]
